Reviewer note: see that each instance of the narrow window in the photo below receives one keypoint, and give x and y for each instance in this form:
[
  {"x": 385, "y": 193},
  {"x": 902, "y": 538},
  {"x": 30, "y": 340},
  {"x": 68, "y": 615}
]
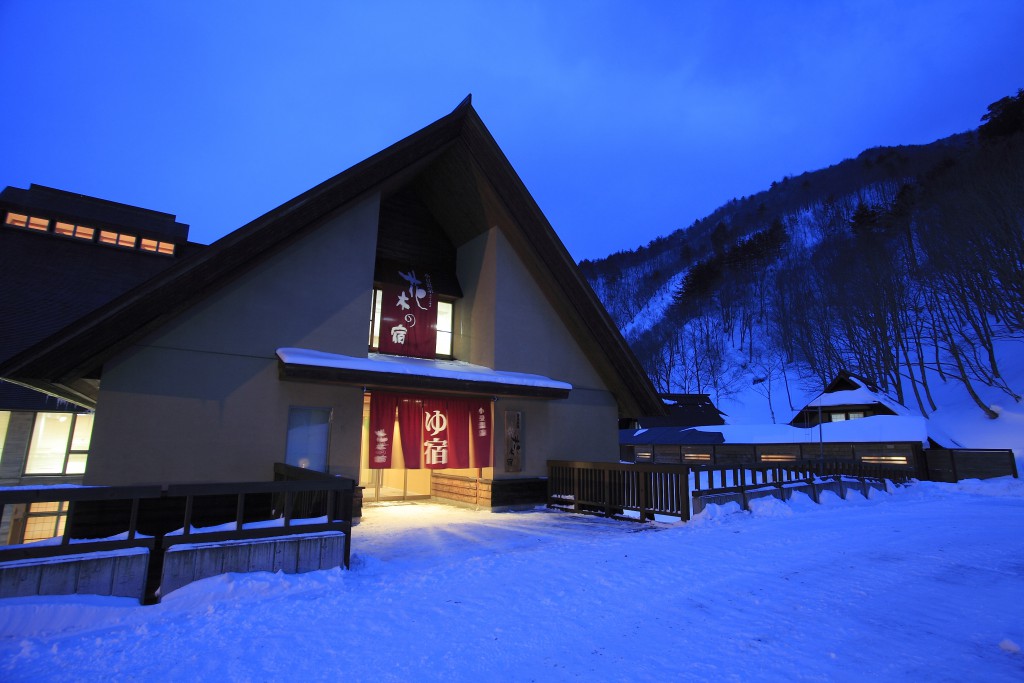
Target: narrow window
[
  {"x": 36, "y": 223},
  {"x": 124, "y": 240},
  {"x": 308, "y": 437},
  {"x": 166, "y": 248},
  {"x": 84, "y": 233},
  {"x": 445, "y": 310},
  {"x": 148, "y": 244},
  {"x": 108, "y": 237},
  {"x": 66, "y": 229},
  {"x": 17, "y": 220},
  {"x": 375, "y": 319}
]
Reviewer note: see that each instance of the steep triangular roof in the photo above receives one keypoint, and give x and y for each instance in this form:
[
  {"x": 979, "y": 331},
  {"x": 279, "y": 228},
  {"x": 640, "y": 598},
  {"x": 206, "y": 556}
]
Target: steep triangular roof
[{"x": 67, "y": 363}]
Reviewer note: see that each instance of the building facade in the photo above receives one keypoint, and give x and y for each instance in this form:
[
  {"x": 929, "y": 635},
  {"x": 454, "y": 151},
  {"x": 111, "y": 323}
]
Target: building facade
[
  {"x": 412, "y": 323},
  {"x": 61, "y": 256}
]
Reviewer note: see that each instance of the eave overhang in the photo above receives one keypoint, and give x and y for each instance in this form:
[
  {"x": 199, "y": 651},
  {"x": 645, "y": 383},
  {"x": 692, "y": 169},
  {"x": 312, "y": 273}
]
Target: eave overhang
[{"x": 389, "y": 373}]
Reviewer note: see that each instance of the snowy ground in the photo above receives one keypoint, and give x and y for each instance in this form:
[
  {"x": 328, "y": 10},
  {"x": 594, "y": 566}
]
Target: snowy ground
[{"x": 926, "y": 584}]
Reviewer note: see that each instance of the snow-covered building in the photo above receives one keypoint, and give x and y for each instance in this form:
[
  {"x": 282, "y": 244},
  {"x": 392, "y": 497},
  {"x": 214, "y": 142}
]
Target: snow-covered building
[
  {"x": 413, "y": 323},
  {"x": 847, "y": 397}
]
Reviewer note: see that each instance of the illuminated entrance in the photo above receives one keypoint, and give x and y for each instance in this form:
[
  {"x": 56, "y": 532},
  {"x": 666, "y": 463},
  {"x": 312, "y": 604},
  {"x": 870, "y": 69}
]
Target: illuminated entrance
[{"x": 405, "y": 437}]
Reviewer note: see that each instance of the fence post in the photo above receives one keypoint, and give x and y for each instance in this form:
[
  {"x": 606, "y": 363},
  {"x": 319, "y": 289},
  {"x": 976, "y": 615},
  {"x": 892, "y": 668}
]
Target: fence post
[
  {"x": 641, "y": 492},
  {"x": 684, "y": 494},
  {"x": 607, "y": 476}
]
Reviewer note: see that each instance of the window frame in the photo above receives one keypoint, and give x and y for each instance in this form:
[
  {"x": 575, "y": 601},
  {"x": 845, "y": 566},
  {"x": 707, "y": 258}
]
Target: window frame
[
  {"x": 69, "y": 451},
  {"x": 374, "y": 332}
]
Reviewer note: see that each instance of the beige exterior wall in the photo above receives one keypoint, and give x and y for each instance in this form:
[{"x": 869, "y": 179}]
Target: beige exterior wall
[
  {"x": 506, "y": 321},
  {"x": 200, "y": 400}
]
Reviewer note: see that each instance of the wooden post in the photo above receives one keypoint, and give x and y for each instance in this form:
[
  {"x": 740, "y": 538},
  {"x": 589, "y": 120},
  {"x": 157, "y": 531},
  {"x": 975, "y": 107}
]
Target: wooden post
[
  {"x": 133, "y": 522},
  {"x": 240, "y": 512},
  {"x": 187, "y": 528},
  {"x": 606, "y": 474},
  {"x": 641, "y": 490},
  {"x": 684, "y": 494}
]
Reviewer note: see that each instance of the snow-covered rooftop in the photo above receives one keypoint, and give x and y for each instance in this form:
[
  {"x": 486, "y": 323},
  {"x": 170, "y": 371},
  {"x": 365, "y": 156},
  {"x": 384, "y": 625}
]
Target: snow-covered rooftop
[
  {"x": 418, "y": 367},
  {"x": 878, "y": 428}
]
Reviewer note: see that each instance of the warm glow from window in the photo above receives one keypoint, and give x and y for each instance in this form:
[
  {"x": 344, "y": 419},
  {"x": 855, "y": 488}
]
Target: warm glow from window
[
  {"x": 107, "y": 237},
  {"x": 147, "y": 244},
  {"x": 444, "y": 328},
  {"x": 60, "y": 443},
  {"x": 777, "y": 457},
  {"x": 84, "y": 233},
  {"x": 44, "y": 520},
  {"x": 375, "y": 319},
  {"x": 124, "y": 240},
  {"x": 66, "y": 229},
  {"x": 17, "y": 220},
  {"x": 37, "y": 223},
  {"x": 72, "y": 230}
]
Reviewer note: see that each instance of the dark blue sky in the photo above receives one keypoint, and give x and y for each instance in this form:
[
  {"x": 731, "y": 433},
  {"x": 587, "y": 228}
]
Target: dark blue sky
[{"x": 626, "y": 120}]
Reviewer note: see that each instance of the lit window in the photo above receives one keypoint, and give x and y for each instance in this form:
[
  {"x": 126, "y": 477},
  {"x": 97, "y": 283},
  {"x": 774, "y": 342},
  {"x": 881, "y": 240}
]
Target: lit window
[
  {"x": 36, "y": 223},
  {"x": 60, "y": 444},
  {"x": 837, "y": 417},
  {"x": 445, "y": 325},
  {"x": 375, "y": 319},
  {"x": 855, "y": 416},
  {"x": 444, "y": 328},
  {"x": 17, "y": 220},
  {"x": 44, "y": 520},
  {"x": 124, "y": 240},
  {"x": 5, "y": 419},
  {"x": 107, "y": 237},
  {"x": 71, "y": 230},
  {"x": 147, "y": 244}
]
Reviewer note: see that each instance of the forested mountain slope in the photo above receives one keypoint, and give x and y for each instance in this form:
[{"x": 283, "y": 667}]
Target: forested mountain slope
[{"x": 904, "y": 265}]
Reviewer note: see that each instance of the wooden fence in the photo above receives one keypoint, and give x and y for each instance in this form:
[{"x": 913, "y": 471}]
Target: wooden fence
[
  {"x": 613, "y": 489},
  {"x": 955, "y": 464},
  {"x": 156, "y": 518}
]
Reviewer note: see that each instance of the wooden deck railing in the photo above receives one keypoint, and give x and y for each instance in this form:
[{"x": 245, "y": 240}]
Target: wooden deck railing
[
  {"x": 104, "y": 518},
  {"x": 612, "y": 489}
]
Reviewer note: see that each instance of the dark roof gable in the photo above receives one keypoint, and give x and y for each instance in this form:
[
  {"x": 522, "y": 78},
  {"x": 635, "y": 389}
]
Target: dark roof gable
[{"x": 57, "y": 363}]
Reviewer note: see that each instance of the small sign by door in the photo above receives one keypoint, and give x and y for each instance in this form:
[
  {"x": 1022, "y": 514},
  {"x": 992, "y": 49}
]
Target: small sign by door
[{"x": 513, "y": 441}]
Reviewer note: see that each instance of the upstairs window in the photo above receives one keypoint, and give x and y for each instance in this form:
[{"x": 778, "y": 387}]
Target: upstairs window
[
  {"x": 20, "y": 220},
  {"x": 445, "y": 325},
  {"x": 157, "y": 246},
  {"x": 120, "y": 239},
  {"x": 72, "y": 230}
]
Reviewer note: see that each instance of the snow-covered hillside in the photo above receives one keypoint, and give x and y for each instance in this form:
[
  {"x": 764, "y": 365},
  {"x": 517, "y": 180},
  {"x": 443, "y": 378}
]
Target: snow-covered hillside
[{"x": 920, "y": 585}]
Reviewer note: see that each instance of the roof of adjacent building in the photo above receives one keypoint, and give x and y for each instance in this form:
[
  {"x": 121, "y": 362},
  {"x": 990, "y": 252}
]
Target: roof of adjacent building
[{"x": 461, "y": 153}]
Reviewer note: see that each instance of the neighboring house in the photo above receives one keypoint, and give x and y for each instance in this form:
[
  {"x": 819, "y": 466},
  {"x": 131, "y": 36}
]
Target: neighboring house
[
  {"x": 684, "y": 410},
  {"x": 847, "y": 397},
  {"x": 61, "y": 256},
  {"x": 413, "y": 323}
]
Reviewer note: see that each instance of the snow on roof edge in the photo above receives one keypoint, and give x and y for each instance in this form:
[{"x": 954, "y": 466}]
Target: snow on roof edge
[{"x": 417, "y": 367}]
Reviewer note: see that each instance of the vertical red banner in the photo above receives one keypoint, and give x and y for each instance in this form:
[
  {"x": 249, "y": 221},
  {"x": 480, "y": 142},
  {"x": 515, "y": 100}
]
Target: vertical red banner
[
  {"x": 410, "y": 427},
  {"x": 436, "y": 448},
  {"x": 483, "y": 428},
  {"x": 408, "y": 317},
  {"x": 382, "y": 429},
  {"x": 458, "y": 432}
]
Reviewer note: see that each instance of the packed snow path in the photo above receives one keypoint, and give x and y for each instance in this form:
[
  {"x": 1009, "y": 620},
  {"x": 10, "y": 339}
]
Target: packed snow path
[{"x": 925, "y": 584}]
